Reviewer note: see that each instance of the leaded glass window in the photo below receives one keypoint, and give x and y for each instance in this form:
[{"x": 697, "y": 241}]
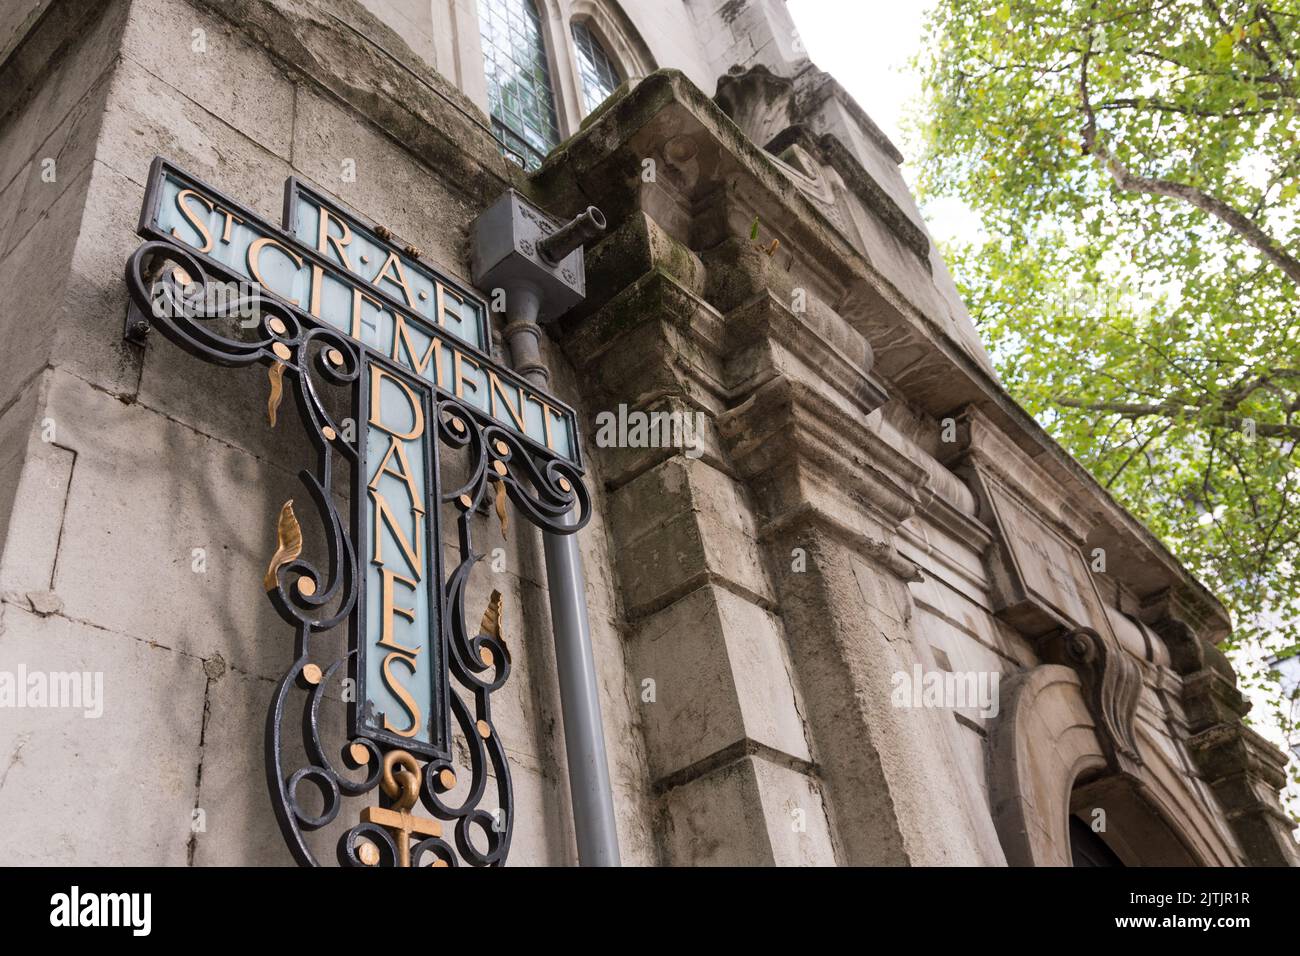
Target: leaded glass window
[
  {"x": 520, "y": 97},
  {"x": 599, "y": 76}
]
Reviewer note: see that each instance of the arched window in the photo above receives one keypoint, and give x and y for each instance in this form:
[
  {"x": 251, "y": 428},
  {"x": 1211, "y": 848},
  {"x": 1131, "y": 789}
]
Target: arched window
[
  {"x": 599, "y": 75},
  {"x": 520, "y": 97}
]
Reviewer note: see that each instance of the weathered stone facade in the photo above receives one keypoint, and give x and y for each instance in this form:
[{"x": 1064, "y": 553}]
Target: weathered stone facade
[{"x": 865, "y": 500}]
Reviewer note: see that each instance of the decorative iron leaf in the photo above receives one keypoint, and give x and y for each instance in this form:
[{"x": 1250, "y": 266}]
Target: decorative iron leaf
[
  {"x": 501, "y": 506},
  {"x": 276, "y": 374},
  {"x": 491, "y": 623},
  {"x": 289, "y": 538}
]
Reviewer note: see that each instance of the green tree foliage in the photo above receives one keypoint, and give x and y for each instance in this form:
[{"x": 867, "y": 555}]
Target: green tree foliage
[{"x": 1136, "y": 166}]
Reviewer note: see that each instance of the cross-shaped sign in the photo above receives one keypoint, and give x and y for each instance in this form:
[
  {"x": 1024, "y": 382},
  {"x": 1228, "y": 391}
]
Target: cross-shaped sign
[
  {"x": 401, "y": 782},
  {"x": 353, "y": 319}
]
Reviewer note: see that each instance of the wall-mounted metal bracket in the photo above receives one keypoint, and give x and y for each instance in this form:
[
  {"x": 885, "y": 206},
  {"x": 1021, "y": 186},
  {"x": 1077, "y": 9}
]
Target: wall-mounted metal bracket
[
  {"x": 136, "y": 327},
  {"x": 515, "y": 242}
]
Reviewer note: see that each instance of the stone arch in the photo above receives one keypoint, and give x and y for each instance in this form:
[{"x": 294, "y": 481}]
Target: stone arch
[
  {"x": 612, "y": 29},
  {"x": 1047, "y": 762},
  {"x": 619, "y": 38}
]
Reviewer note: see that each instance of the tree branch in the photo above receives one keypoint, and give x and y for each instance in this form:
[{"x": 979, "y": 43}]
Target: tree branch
[
  {"x": 1177, "y": 411},
  {"x": 1140, "y": 449},
  {"x": 1130, "y": 182},
  {"x": 1136, "y": 103}
]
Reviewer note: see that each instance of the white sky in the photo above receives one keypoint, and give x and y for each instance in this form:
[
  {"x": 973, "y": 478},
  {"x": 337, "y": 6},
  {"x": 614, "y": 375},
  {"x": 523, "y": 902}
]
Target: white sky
[{"x": 866, "y": 45}]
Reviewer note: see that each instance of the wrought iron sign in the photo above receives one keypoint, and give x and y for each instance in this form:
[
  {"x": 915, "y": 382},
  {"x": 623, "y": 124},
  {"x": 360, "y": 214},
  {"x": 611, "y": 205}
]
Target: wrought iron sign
[{"x": 390, "y": 365}]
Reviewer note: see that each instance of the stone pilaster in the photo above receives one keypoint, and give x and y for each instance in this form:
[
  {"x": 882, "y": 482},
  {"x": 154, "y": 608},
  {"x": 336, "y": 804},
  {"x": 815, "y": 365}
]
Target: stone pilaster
[
  {"x": 722, "y": 711},
  {"x": 831, "y": 495},
  {"x": 1246, "y": 772},
  {"x": 722, "y": 291}
]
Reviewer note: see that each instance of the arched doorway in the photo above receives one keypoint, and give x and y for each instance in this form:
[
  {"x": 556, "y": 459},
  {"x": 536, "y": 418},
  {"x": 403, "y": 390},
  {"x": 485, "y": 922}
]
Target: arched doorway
[
  {"x": 1130, "y": 824},
  {"x": 1047, "y": 768},
  {"x": 1087, "y": 848}
]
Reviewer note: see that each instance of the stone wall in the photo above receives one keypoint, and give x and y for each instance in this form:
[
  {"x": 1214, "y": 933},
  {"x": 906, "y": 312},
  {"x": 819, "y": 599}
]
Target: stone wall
[
  {"x": 854, "y": 510},
  {"x": 156, "y": 454}
]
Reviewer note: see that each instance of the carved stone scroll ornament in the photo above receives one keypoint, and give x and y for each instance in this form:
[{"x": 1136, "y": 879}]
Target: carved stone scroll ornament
[
  {"x": 168, "y": 287},
  {"x": 1112, "y": 684}
]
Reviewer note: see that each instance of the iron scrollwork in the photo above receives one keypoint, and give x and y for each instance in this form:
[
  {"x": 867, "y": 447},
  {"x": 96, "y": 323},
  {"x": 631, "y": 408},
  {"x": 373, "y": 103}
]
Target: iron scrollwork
[{"x": 171, "y": 290}]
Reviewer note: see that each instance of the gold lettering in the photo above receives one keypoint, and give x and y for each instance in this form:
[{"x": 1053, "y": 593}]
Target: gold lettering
[
  {"x": 317, "y": 280},
  {"x": 459, "y": 376},
  {"x": 384, "y": 515},
  {"x": 199, "y": 225},
  {"x": 495, "y": 388},
  {"x": 402, "y": 338},
  {"x": 389, "y": 609},
  {"x": 325, "y": 238},
  {"x": 230, "y": 219},
  {"x": 443, "y": 295},
  {"x": 377, "y": 375},
  {"x": 404, "y": 475},
  {"x": 357, "y": 297},
  {"x": 398, "y": 278},
  {"x": 547, "y": 412},
  {"x": 402, "y": 694},
  {"x": 255, "y": 256}
]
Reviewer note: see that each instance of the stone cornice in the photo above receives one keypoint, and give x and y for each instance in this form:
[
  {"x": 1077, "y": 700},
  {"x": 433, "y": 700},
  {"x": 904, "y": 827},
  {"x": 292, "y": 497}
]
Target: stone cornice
[
  {"x": 837, "y": 156},
  {"x": 789, "y": 431},
  {"x": 816, "y": 85},
  {"x": 767, "y": 322},
  {"x": 655, "y": 298},
  {"x": 979, "y": 443},
  {"x": 799, "y": 518},
  {"x": 1229, "y": 749},
  {"x": 767, "y": 108},
  {"x": 603, "y": 163}
]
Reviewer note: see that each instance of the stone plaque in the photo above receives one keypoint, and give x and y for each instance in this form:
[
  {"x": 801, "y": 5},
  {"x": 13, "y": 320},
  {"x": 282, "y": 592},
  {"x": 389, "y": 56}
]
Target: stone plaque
[{"x": 1042, "y": 580}]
